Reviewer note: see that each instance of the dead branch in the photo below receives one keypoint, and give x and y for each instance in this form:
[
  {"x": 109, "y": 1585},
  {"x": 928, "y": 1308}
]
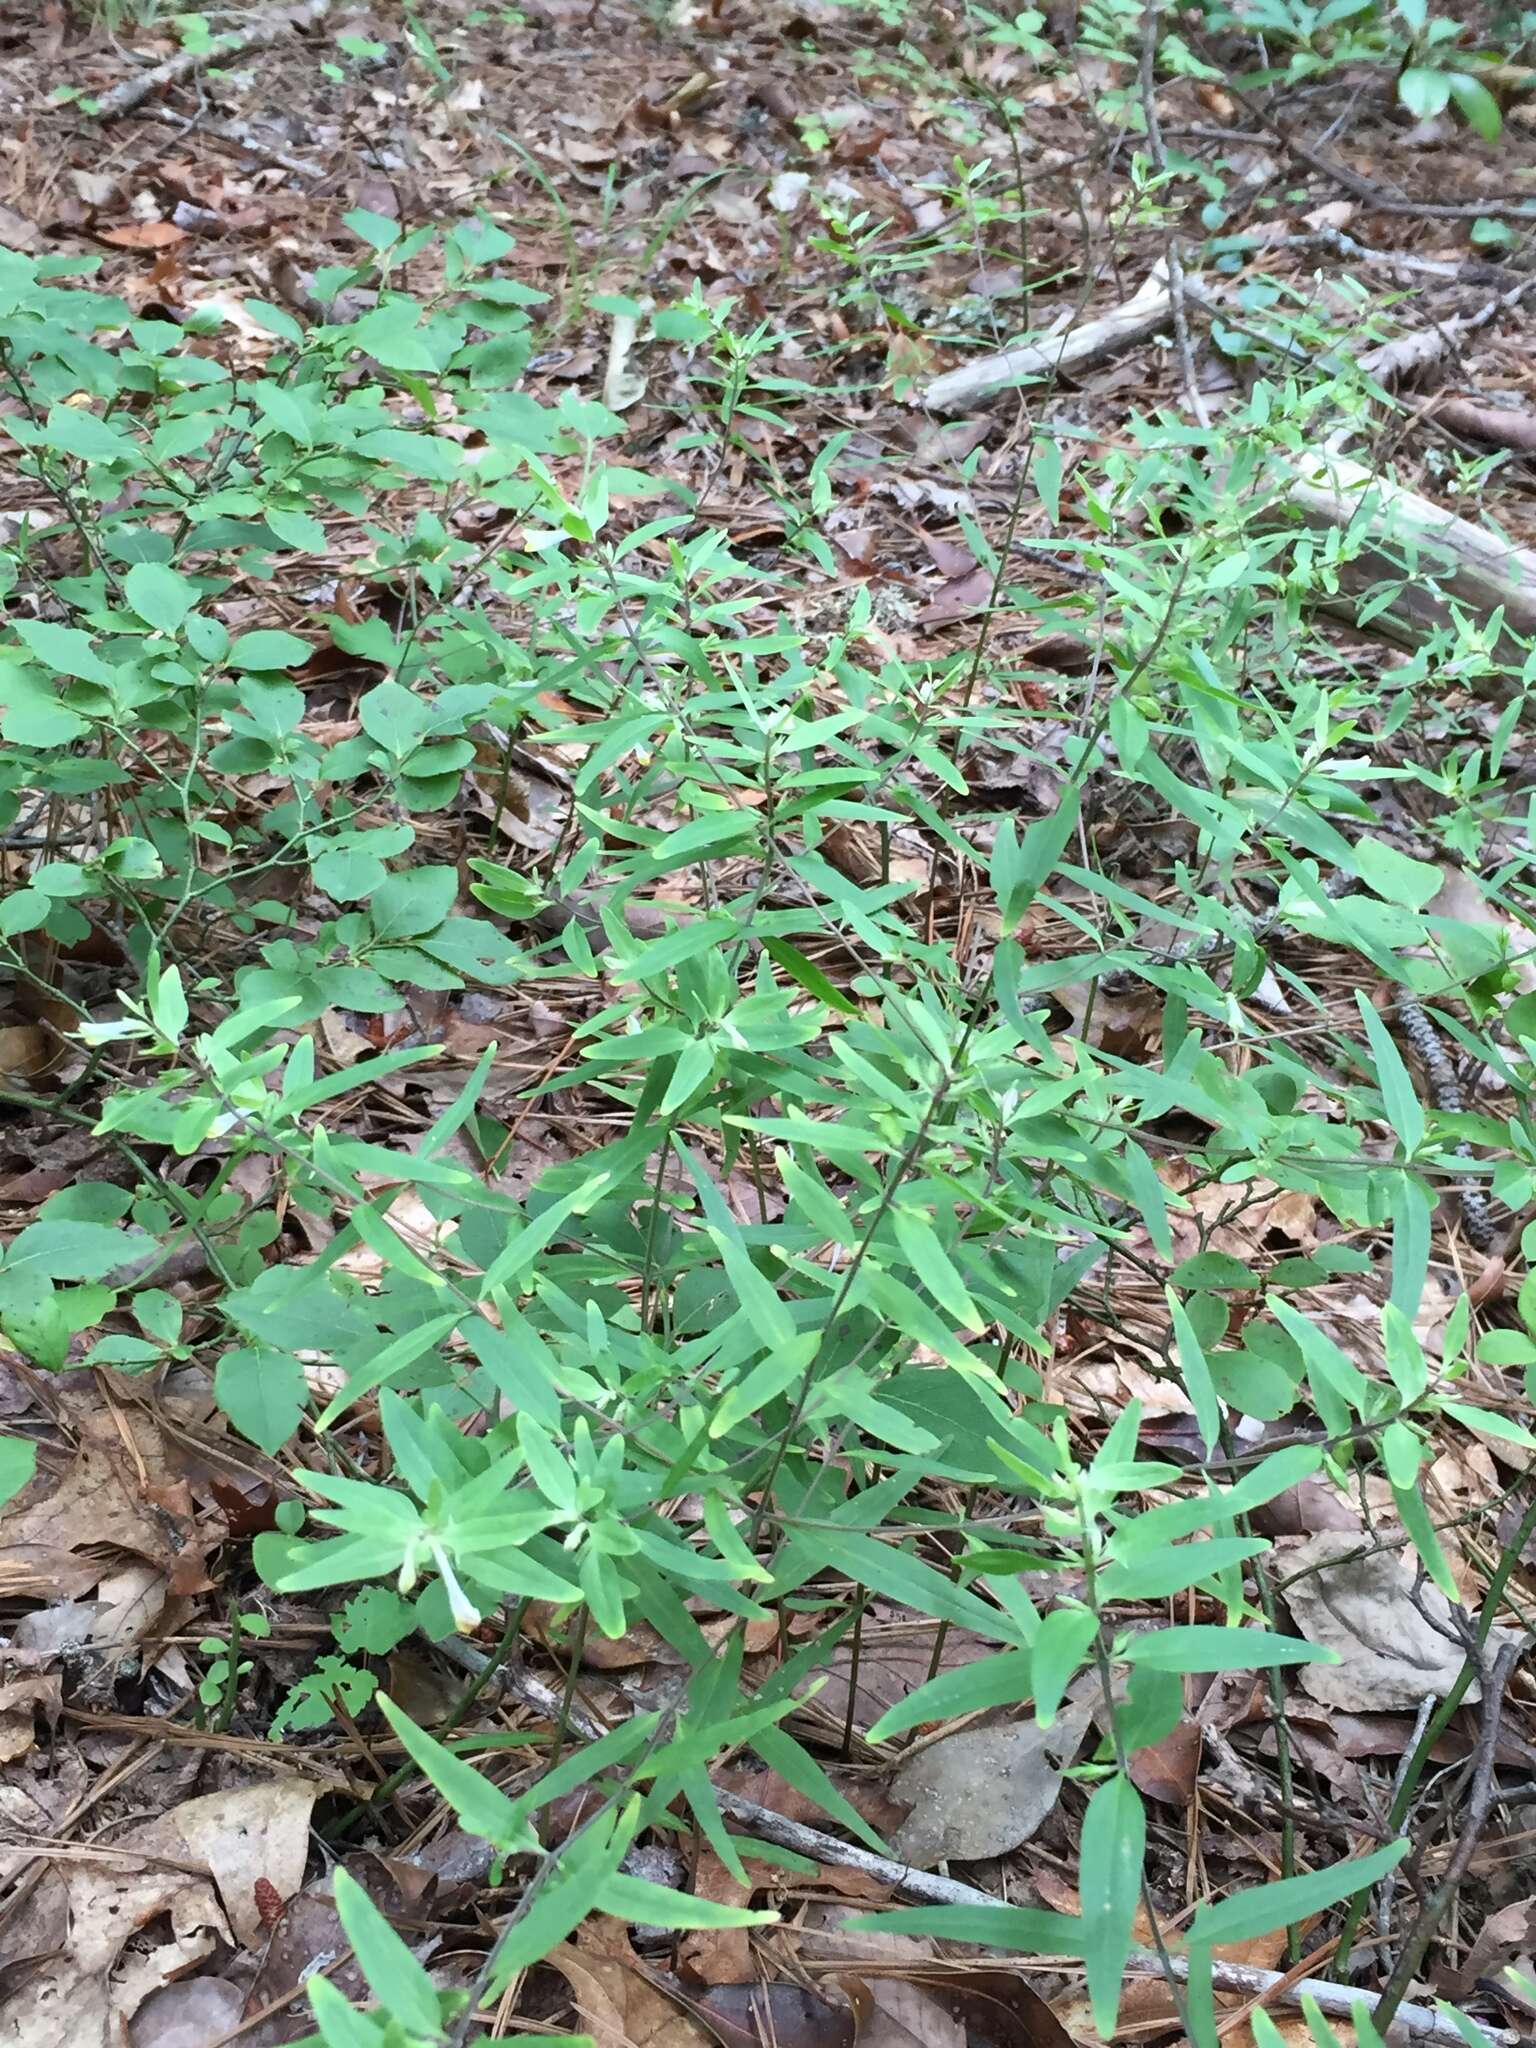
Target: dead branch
[
  {"x": 257, "y": 35},
  {"x": 1413, "y": 2023},
  {"x": 1501, "y": 425},
  {"x": 1149, "y": 309},
  {"x": 1450, "y": 562}
]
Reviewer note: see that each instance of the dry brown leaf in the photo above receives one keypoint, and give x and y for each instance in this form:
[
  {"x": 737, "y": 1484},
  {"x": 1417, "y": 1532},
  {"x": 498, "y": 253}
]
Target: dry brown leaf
[
  {"x": 1503, "y": 1935},
  {"x": 309, "y": 1931},
  {"x": 614, "y": 2001},
  {"x": 721, "y": 1955},
  {"x": 1168, "y": 1770},
  {"x": 19, "y": 1701},
  {"x": 905, "y": 2014},
  {"x": 83, "y": 1920},
  {"x": 98, "y": 1500},
  {"x": 891, "y": 1661},
  {"x": 958, "y": 599},
  {"x": 767, "y": 1788},
  {"x": 823, "y": 1941},
  {"x": 17, "y": 232},
  {"x": 754, "y": 2015},
  {"x": 131, "y": 1602},
  {"x": 849, "y": 1883},
  {"x": 248, "y": 1833},
  {"x": 640, "y": 1644},
  {"x": 187, "y": 2015},
  {"x": 895, "y": 2011},
  {"x": 943, "y": 445},
  {"x": 143, "y": 234},
  {"x": 1147, "y": 2003},
  {"x": 1363, "y": 1607},
  {"x": 983, "y": 1792},
  {"x": 27, "y": 1050}
]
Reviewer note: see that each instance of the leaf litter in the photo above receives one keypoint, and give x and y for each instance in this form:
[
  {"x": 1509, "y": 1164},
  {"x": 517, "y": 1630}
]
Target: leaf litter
[{"x": 237, "y": 205}]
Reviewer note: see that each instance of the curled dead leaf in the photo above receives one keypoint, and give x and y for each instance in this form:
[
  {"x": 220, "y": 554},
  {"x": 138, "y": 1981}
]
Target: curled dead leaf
[{"x": 144, "y": 234}]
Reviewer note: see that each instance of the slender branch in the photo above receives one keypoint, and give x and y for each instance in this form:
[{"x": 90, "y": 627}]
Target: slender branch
[
  {"x": 1470, "y": 1825},
  {"x": 1418, "y": 2023},
  {"x": 256, "y": 35},
  {"x": 1408, "y": 1780}
]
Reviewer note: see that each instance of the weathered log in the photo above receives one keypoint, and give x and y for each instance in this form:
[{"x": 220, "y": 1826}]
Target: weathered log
[
  {"x": 1439, "y": 562},
  {"x": 1141, "y": 315}
]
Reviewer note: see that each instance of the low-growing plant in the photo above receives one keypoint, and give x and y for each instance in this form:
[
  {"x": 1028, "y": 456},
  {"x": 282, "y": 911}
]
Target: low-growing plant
[{"x": 846, "y": 1175}]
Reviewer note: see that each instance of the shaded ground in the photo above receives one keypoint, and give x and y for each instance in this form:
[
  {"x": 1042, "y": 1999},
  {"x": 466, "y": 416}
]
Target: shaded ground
[{"x": 800, "y": 160}]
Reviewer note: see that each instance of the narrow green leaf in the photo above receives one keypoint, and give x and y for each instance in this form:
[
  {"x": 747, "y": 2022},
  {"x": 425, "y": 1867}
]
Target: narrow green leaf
[
  {"x": 1056, "y": 1655},
  {"x": 797, "y": 1767},
  {"x": 808, "y": 974},
  {"x": 1025, "y": 1930},
  {"x": 18, "y": 1462},
  {"x": 1113, "y": 1843},
  {"x": 1174, "y": 1568},
  {"x": 658, "y": 1905},
  {"x": 567, "y": 1886},
  {"x": 1474, "y": 2035},
  {"x": 1249, "y": 1914},
  {"x": 933, "y": 1266},
  {"x": 397, "y": 1357},
  {"x": 1412, "y": 1217},
  {"x": 1202, "y": 1647},
  {"x": 394, "y": 1976},
  {"x": 900, "y": 1576},
  {"x": 341, "y": 2024},
  {"x": 1002, "y": 1681},
  {"x": 1492, "y": 1424},
  {"x": 1414, "y": 1516},
  {"x": 1198, "y": 1383},
  {"x": 1026, "y": 870},
  {"x": 484, "y": 1808},
  {"x": 1405, "y": 1112}
]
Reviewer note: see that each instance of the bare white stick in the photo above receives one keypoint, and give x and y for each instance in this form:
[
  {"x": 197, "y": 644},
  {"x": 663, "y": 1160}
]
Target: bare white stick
[
  {"x": 1418, "y": 2023},
  {"x": 1413, "y": 2023},
  {"x": 1151, "y": 308},
  {"x": 926, "y": 1885},
  {"x": 122, "y": 99}
]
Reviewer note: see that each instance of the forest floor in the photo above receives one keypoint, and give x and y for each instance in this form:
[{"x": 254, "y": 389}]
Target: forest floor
[{"x": 815, "y": 164}]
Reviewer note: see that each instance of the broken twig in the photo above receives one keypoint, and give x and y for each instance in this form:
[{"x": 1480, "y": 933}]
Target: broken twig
[
  {"x": 132, "y": 92},
  {"x": 1416, "y": 2023},
  {"x": 1141, "y": 315}
]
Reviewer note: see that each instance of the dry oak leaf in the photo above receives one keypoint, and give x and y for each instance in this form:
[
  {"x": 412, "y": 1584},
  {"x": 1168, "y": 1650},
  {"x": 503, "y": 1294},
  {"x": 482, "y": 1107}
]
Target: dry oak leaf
[
  {"x": 143, "y": 234},
  {"x": 983, "y": 1792},
  {"x": 96, "y": 1978},
  {"x": 19, "y": 1701},
  {"x": 754, "y": 2015},
  {"x": 617, "y": 2005},
  {"x": 94, "y": 1502},
  {"x": 253, "y": 1831},
  {"x": 1363, "y": 1606}
]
